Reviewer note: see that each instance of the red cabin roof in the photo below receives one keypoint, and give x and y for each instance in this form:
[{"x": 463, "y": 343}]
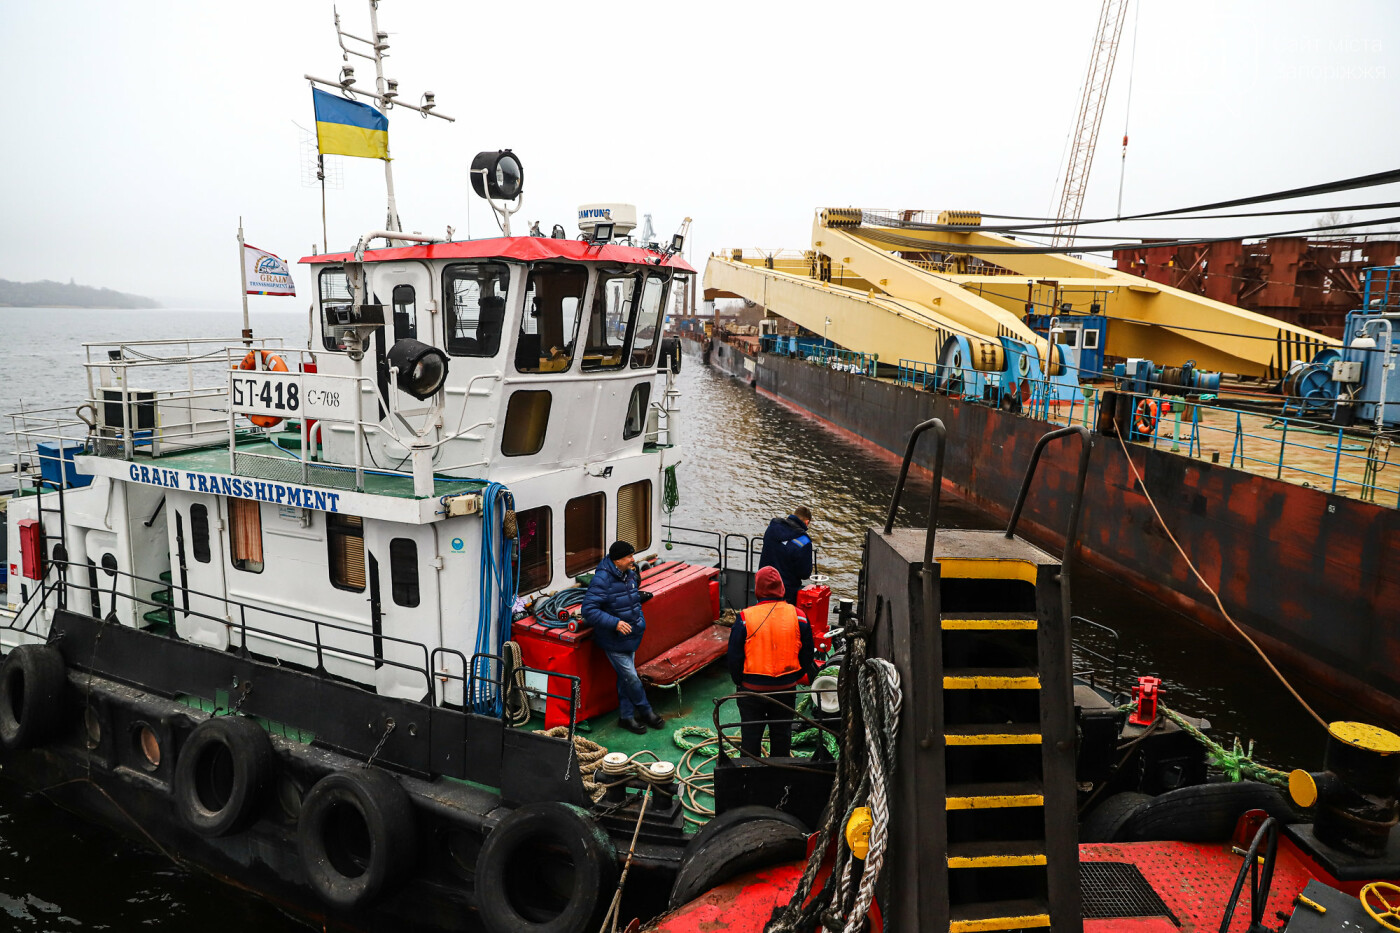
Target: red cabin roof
[{"x": 519, "y": 248}]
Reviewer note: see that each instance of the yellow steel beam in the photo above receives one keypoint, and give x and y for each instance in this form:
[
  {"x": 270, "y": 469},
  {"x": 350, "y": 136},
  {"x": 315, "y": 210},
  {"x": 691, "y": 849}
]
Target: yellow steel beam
[
  {"x": 860, "y": 320},
  {"x": 1165, "y": 324},
  {"x": 893, "y": 275}
]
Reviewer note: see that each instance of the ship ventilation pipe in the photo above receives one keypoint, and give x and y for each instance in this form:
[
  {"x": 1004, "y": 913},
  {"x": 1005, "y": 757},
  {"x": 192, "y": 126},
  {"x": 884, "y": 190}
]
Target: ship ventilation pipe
[
  {"x": 1357, "y": 792},
  {"x": 391, "y": 236}
]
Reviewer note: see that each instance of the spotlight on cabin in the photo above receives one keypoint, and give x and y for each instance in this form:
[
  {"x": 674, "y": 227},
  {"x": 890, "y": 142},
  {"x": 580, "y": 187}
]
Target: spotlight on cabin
[
  {"x": 498, "y": 175},
  {"x": 677, "y": 242},
  {"x": 603, "y": 232},
  {"x": 558, "y": 232},
  {"x": 422, "y": 368}
]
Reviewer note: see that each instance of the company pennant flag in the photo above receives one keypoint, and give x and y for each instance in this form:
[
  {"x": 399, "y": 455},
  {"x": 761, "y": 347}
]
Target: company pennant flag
[
  {"x": 265, "y": 274},
  {"x": 347, "y": 127}
]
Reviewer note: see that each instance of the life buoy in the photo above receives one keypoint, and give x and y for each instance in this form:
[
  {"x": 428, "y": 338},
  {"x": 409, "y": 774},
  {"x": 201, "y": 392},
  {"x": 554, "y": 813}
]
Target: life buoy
[
  {"x": 545, "y": 868},
  {"x": 271, "y": 362},
  {"x": 1148, "y": 414},
  {"x": 31, "y": 696},
  {"x": 224, "y": 775},
  {"x": 356, "y": 836}
]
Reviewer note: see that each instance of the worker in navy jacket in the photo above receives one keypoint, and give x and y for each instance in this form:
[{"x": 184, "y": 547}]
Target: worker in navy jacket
[
  {"x": 770, "y": 650},
  {"x": 787, "y": 547},
  {"x": 613, "y": 607}
]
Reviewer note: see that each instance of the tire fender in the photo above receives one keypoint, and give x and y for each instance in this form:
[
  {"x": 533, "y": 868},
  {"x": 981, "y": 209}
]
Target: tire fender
[
  {"x": 356, "y": 836},
  {"x": 735, "y": 849},
  {"x": 32, "y": 681},
  {"x": 545, "y": 868},
  {"x": 222, "y": 779}
]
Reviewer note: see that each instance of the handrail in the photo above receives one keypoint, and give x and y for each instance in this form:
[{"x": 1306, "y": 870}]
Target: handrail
[
  {"x": 942, "y": 442},
  {"x": 1072, "y": 532}
]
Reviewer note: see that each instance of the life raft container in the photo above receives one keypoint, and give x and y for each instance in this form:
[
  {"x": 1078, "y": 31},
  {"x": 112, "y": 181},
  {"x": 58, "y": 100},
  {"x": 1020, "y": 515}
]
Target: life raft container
[
  {"x": 225, "y": 772},
  {"x": 546, "y": 868},
  {"x": 356, "y": 836},
  {"x": 31, "y": 696},
  {"x": 272, "y": 363}
]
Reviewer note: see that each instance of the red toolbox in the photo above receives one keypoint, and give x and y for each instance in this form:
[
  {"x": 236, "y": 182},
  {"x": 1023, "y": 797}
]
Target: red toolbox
[{"x": 679, "y": 610}]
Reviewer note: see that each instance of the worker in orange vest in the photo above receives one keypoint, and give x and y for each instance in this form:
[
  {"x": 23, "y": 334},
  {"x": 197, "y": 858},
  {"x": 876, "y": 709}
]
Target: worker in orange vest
[{"x": 770, "y": 649}]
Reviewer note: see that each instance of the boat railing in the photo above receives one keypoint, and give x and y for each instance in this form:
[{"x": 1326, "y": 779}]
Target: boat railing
[
  {"x": 492, "y": 677},
  {"x": 732, "y": 551},
  {"x": 1289, "y": 447},
  {"x": 1097, "y": 665},
  {"x": 479, "y": 679},
  {"x": 729, "y": 746}
]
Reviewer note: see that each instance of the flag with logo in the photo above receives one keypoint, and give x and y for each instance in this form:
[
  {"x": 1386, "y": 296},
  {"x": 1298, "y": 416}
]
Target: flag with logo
[
  {"x": 348, "y": 127},
  {"x": 265, "y": 274}
]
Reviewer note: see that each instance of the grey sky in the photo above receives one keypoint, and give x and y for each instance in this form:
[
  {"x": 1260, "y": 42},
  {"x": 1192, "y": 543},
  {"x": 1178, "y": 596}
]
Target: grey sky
[{"x": 138, "y": 132}]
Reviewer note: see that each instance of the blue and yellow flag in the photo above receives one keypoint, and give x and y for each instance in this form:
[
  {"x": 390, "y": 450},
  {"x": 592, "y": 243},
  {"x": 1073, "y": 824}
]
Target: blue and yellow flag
[{"x": 347, "y": 127}]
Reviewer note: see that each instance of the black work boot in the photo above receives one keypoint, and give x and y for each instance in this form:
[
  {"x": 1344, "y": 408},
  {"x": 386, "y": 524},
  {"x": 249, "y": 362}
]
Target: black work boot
[
  {"x": 651, "y": 718},
  {"x": 631, "y": 725}
]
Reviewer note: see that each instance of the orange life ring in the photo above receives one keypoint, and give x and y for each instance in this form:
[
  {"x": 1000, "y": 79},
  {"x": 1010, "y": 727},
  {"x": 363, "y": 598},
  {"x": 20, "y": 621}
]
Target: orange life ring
[
  {"x": 1148, "y": 414},
  {"x": 271, "y": 362}
]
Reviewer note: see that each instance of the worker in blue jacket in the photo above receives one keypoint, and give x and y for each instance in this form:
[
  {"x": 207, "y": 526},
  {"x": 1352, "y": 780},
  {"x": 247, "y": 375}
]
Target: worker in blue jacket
[
  {"x": 613, "y": 607},
  {"x": 788, "y": 549}
]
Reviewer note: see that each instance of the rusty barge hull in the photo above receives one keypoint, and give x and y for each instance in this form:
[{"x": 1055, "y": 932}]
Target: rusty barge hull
[{"x": 1313, "y": 577}]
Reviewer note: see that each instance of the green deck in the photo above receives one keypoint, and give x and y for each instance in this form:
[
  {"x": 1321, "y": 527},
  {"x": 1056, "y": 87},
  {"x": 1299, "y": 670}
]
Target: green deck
[{"x": 285, "y": 445}]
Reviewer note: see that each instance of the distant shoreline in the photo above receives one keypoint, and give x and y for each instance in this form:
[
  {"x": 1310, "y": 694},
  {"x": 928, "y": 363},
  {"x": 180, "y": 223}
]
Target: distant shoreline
[{"x": 49, "y": 294}]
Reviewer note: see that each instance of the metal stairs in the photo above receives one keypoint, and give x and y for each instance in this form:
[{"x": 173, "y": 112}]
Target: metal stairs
[{"x": 162, "y": 618}]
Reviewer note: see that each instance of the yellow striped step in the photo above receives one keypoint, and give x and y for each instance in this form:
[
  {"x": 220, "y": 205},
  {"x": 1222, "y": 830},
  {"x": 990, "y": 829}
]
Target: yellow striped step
[
  {"x": 986, "y": 568},
  {"x": 990, "y": 623},
  {"x": 991, "y": 678},
  {"x": 1017, "y": 854},
  {"x": 991, "y": 916},
  {"x": 995, "y": 796},
  {"x": 991, "y": 733}
]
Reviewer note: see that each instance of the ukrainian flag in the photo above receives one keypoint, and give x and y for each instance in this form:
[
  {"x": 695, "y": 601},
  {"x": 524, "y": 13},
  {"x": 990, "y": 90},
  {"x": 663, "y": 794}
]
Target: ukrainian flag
[{"x": 347, "y": 127}]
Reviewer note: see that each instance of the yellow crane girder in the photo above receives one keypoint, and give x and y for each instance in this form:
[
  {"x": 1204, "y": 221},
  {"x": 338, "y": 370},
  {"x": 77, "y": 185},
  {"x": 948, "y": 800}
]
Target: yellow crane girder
[{"x": 1165, "y": 324}]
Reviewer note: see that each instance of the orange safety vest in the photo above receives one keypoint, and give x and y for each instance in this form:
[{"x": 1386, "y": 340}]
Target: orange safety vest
[{"x": 771, "y": 639}]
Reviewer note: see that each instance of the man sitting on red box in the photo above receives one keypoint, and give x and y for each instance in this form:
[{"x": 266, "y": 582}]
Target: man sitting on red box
[
  {"x": 613, "y": 607},
  {"x": 770, "y": 649}
]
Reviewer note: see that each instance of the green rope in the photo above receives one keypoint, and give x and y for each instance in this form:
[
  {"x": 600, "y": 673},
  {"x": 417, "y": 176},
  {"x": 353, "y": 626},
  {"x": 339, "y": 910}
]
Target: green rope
[
  {"x": 1238, "y": 762},
  {"x": 670, "y": 500}
]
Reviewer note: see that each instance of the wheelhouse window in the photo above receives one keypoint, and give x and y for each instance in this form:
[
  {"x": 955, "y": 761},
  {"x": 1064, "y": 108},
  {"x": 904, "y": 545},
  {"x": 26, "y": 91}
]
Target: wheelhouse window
[
  {"x": 584, "y": 532},
  {"x": 648, "y": 329},
  {"x": 403, "y": 571},
  {"x": 634, "y": 514},
  {"x": 345, "y": 542},
  {"x": 199, "y": 532},
  {"x": 405, "y": 312},
  {"x": 245, "y": 535},
  {"x": 610, "y": 324},
  {"x": 553, "y": 301},
  {"x": 527, "y": 419},
  {"x": 636, "y": 421},
  {"x": 1091, "y": 339},
  {"x": 476, "y": 307},
  {"x": 536, "y": 564},
  {"x": 335, "y": 304}
]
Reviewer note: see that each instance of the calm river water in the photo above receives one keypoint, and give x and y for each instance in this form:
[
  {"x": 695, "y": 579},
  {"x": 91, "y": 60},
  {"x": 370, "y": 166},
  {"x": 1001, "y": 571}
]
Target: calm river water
[{"x": 747, "y": 459}]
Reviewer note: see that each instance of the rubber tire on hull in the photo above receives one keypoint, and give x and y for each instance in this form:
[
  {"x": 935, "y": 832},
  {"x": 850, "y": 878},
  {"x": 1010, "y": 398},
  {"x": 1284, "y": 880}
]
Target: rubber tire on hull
[
  {"x": 526, "y": 857},
  {"x": 1203, "y": 812},
  {"x": 224, "y": 774},
  {"x": 1105, "y": 822},
  {"x": 32, "y": 681},
  {"x": 736, "y": 816},
  {"x": 746, "y": 846},
  {"x": 356, "y": 836}
]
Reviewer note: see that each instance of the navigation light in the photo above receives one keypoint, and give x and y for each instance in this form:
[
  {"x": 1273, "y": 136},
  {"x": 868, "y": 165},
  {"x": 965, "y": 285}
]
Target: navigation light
[
  {"x": 422, "y": 368},
  {"x": 497, "y": 174}
]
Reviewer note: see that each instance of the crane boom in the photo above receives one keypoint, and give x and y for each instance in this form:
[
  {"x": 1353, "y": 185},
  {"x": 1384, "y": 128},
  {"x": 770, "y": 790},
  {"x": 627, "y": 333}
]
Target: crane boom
[{"x": 1086, "y": 129}]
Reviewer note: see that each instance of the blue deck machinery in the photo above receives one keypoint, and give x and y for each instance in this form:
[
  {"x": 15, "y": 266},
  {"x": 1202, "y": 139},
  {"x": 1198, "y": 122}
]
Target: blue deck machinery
[
  {"x": 1362, "y": 377},
  {"x": 1139, "y": 380},
  {"x": 1012, "y": 378}
]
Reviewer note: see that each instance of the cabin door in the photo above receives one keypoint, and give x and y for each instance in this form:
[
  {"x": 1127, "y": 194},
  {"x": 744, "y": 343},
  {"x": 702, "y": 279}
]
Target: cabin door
[{"x": 401, "y": 562}]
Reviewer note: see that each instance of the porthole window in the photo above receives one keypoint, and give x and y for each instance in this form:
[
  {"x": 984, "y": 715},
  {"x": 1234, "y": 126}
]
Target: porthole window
[
  {"x": 636, "y": 421},
  {"x": 245, "y": 534},
  {"x": 403, "y": 571},
  {"x": 527, "y": 419},
  {"x": 345, "y": 540},
  {"x": 536, "y": 566},
  {"x": 199, "y": 532},
  {"x": 583, "y": 533},
  {"x": 634, "y": 514}
]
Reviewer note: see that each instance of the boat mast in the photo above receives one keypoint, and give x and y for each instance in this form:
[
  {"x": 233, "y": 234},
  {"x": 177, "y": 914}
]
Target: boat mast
[{"x": 386, "y": 92}]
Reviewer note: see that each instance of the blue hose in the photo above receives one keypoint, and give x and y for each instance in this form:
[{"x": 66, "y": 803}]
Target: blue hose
[{"x": 500, "y": 578}]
